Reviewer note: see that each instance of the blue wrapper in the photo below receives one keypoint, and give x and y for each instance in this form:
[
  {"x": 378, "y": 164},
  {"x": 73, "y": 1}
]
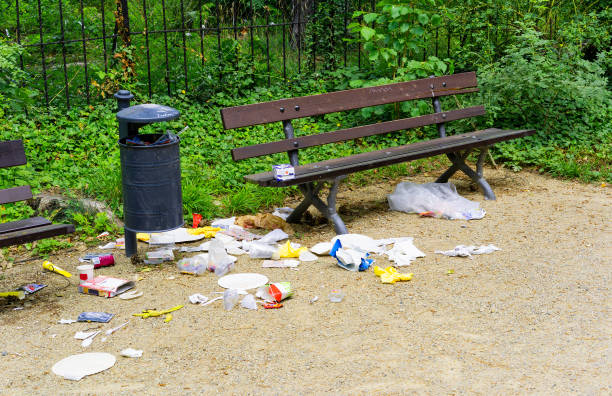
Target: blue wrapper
[{"x": 102, "y": 317}]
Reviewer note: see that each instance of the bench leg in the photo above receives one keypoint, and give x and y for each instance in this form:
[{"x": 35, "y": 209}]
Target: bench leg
[
  {"x": 476, "y": 176},
  {"x": 311, "y": 197}
]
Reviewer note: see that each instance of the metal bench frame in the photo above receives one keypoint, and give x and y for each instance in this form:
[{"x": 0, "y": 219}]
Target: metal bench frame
[{"x": 311, "y": 178}]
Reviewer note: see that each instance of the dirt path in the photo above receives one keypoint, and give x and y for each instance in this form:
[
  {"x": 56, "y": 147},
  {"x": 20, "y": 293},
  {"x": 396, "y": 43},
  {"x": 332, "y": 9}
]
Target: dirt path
[{"x": 534, "y": 318}]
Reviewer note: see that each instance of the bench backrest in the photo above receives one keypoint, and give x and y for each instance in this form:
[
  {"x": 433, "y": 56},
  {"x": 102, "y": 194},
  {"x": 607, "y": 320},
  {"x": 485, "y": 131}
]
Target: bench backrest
[
  {"x": 285, "y": 110},
  {"x": 12, "y": 153}
]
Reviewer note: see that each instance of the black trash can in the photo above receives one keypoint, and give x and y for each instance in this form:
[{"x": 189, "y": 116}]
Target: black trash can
[{"x": 150, "y": 172}]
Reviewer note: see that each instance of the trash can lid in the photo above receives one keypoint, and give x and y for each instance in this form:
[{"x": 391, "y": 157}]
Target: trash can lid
[{"x": 148, "y": 113}]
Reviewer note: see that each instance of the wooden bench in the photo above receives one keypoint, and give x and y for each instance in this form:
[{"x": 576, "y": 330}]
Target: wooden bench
[
  {"x": 12, "y": 153},
  {"x": 309, "y": 178}
]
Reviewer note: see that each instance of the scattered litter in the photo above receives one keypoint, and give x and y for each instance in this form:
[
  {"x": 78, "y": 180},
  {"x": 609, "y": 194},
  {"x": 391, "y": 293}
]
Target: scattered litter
[
  {"x": 76, "y": 367},
  {"x": 86, "y": 273},
  {"x": 53, "y": 335},
  {"x": 235, "y": 250},
  {"x": 130, "y": 295},
  {"x": 305, "y": 255},
  {"x": 131, "y": 353},
  {"x": 277, "y": 291},
  {"x": 198, "y": 299},
  {"x": 83, "y": 335},
  {"x": 102, "y": 317},
  {"x": 266, "y": 221},
  {"x": 349, "y": 259},
  {"x": 171, "y": 278},
  {"x": 195, "y": 265},
  {"x": 111, "y": 331},
  {"x": 287, "y": 250},
  {"x": 54, "y": 268},
  {"x": 336, "y": 296},
  {"x": 249, "y": 302},
  {"x": 226, "y": 239},
  {"x": 434, "y": 200},
  {"x": 87, "y": 341},
  {"x": 361, "y": 243},
  {"x": 283, "y": 172},
  {"x": 105, "y": 286},
  {"x": 98, "y": 259},
  {"x": 450, "y": 272},
  {"x": 178, "y": 235},
  {"x": 31, "y": 288},
  {"x": 158, "y": 256},
  {"x": 468, "y": 251},
  {"x": 314, "y": 299},
  {"x": 208, "y": 232},
  {"x": 404, "y": 252},
  {"x": 18, "y": 308},
  {"x": 219, "y": 259},
  {"x": 274, "y": 236},
  {"x": 117, "y": 244},
  {"x": 273, "y": 305},
  {"x": 148, "y": 313},
  {"x": 321, "y": 248},
  {"x": 230, "y": 298},
  {"x": 261, "y": 250},
  {"x": 280, "y": 263},
  {"x": 390, "y": 275},
  {"x": 197, "y": 218},
  {"x": 212, "y": 301},
  {"x": 239, "y": 233},
  {"x": 102, "y": 235},
  {"x": 226, "y": 224},
  {"x": 20, "y": 294},
  {"x": 243, "y": 281},
  {"x": 283, "y": 213},
  {"x": 66, "y": 321},
  {"x": 203, "y": 247}
]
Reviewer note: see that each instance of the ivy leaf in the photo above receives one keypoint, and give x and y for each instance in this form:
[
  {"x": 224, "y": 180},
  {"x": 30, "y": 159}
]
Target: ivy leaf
[
  {"x": 405, "y": 27},
  {"x": 371, "y": 17},
  {"x": 423, "y": 19},
  {"x": 367, "y": 33},
  {"x": 417, "y": 31},
  {"x": 436, "y": 20}
]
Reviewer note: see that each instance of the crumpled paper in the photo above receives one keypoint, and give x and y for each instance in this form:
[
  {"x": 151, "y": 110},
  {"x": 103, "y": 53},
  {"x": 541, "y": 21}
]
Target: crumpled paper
[{"x": 264, "y": 220}]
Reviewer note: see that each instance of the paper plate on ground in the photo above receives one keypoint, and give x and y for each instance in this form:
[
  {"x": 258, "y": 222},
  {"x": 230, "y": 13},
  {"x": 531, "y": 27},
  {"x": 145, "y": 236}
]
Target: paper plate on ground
[
  {"x": 175, "y": 236},
  {"x": 76, "y": 367},
  {"x": 244, "y": 281}
]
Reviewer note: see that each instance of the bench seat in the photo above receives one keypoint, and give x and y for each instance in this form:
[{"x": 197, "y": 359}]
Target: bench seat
[{"x": 326, "y": 170}]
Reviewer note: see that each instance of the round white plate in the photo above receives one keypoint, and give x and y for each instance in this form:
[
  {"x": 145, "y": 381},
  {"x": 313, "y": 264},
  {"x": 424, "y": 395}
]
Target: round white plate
[
  {"x": 244, "y": 281},
  {"x": 76, "y": 367}
]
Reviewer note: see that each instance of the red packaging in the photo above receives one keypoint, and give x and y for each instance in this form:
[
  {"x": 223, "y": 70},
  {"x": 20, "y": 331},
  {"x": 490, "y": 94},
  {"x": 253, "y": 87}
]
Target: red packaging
[
  {"x": 196, "y": 220},
  {"x": 103, "y": 261}
]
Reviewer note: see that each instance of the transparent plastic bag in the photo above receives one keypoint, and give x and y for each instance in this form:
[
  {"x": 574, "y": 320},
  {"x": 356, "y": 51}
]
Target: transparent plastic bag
[{"x": 435, "y": 199}]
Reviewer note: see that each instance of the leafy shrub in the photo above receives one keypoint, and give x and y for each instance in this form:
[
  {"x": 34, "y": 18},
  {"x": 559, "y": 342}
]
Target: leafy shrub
[{"x": 14, "y": 95}]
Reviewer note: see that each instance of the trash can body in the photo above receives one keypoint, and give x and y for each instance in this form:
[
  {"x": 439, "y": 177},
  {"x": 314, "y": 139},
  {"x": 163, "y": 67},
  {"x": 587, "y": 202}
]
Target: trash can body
[{"x": 151, "y": 178}]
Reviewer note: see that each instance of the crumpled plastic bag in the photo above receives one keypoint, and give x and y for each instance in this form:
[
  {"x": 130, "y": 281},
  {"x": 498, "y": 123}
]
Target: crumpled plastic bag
[
  {"x": 287, "y": 251},
  {"x": 350, "y": 259},
  {"x": 264, "y": 220},
  {"x": 404, "y": 251},
  {"x": 435, "y": 200},
  {"x": 390, "y": 275},
  {"x": 468, "y": 251}
]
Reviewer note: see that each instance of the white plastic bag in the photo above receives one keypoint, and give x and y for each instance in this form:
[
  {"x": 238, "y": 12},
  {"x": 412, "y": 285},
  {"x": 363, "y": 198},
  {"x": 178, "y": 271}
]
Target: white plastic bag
[{"x": 439, "y": 198}]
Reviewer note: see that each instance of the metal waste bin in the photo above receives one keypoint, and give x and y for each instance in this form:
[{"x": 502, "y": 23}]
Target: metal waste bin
[{"x": 150, "y": 172}]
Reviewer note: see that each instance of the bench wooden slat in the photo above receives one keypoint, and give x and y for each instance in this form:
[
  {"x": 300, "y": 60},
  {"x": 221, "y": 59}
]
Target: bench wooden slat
[
  {"x": 23, "y": 224},
  {"x": 34, "y": 234},
  {"x": 15, "y": 194},
  {"x": 280, "y": 146},
  {"x": 342, "y": 166},
  {"x": 263, "y": 113},
  {"x": 12, "y": 153}
]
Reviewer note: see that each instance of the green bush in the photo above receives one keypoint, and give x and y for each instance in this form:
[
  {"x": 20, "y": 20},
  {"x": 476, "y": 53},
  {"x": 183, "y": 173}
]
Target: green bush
[{"x": 14, "y": 94}]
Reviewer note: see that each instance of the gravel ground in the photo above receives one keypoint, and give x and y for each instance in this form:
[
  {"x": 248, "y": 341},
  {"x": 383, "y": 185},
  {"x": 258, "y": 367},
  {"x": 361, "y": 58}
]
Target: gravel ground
[{"x": 533, "y": 318}]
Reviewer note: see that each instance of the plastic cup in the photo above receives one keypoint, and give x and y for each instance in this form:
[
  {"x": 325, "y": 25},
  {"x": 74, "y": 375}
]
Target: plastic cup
[{"x": 86, "y": 273}]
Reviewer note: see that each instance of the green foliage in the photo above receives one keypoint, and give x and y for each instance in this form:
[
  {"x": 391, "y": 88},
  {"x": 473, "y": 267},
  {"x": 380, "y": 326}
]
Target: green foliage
[
  {"x": 46, "y": 246},
  {"x": 15, "y": 95},
  {"x": 550, "y": 88},
  {"x": 91, "y": 225}
]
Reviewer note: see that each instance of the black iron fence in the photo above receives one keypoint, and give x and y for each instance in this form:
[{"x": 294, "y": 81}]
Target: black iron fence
[{"x": 78, "y": 51}]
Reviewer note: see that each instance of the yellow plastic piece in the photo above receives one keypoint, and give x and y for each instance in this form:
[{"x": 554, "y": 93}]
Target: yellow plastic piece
[
  {"x": 142, "y": 236},
  {"x": 19, "y": 294},
  {"x": 208, "y": 232},
  {"x": 168, "y": 318},
  {"x": 286, "y": 251},
  {"x": 390, "y": 275},
  {"x": 148, "y": 313},
  {"x": 54, "y": 268}
]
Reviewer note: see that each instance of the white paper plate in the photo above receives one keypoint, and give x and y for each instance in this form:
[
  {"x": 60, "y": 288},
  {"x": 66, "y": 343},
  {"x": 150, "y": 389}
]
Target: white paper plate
[
  {"x": 76, "y": 367},
  {"x": 244, "y": 281},
  {"x": 177, "y": 236}
]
